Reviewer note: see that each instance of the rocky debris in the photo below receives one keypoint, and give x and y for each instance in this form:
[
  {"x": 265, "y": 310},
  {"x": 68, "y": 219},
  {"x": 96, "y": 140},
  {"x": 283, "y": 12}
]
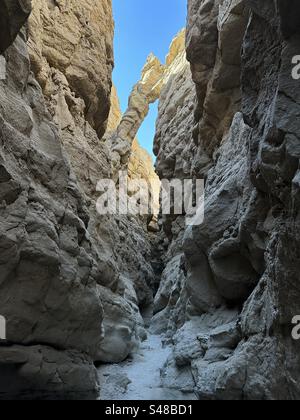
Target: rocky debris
[
  {"x": 139, "y": 377},
  {"x": 208, "y": 338},
  {"x": 238, "y": 287}
]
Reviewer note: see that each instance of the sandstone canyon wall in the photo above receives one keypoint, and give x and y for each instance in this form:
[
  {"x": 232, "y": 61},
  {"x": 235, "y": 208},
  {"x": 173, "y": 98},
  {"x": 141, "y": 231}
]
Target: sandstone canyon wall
[
  {"x": 71, "y": 286},
  {"x": 230, "y": 288},
  {"x": 48, "y": 272}
]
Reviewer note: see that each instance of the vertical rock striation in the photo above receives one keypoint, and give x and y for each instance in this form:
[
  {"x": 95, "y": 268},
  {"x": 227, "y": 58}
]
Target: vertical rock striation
[
  {"x": 48, "y": 270},
  {"x": 214, "y": 39},
  {"x": 71, "y": 287},
  {"x": 77, "y": 39},
  {"x": 230, "y": 286},
  {"x": 74, "y": 284},
  {"x": 125, "y": 277}
]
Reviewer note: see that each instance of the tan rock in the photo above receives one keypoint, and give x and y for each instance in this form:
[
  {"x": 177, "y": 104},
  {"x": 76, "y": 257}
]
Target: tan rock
[
  {"x": 115, "y": 114},
  {"x": 113, "y": 236},
  {"x": 48, "y": 265},
  {"x": 145, "y": 92},
  {"x": 140, "y": 163},
  {"x": 75, "y": 38},
  {"x": 177, "y": 47}
]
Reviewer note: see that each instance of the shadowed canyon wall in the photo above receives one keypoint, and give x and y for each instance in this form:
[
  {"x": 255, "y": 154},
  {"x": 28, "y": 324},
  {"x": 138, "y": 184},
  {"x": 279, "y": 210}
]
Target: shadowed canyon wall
[
  {"x": 13, "y": 14},
  {"x": 230, "y": 287},
  {"x": 71, "y": 287}
]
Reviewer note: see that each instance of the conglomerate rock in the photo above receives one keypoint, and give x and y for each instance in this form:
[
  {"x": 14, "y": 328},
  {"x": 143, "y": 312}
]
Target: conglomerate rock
[{"x": 231, "y": 285}]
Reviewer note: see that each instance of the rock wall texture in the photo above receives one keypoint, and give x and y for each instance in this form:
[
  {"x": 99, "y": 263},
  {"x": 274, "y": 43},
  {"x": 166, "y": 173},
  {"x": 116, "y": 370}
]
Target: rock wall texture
[
  {"x": 75, "y": 38},
  {"x": 73, "y": 284},
  {"x": 48, "y": 276},
  {"x": 148, "y": 90},
  {"x": 71, "y": 287},
  {"x": 126, "y": 277},
  {"x": 230, "y": 287}
]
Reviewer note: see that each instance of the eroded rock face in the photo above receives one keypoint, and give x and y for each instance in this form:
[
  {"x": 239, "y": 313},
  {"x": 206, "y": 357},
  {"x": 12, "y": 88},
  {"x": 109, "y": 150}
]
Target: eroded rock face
[
  {"x": 71, "y": 287},
  {"x": 45, "y": 373},
  {"x": 73, "y": 284},
  {"x": 48, "y": 275},
  {"x": 75, "y": 38},
  {"x": 123, "y": 248},
  {"x": 176, "y": 107},
  {"x": 214, "y": 40},
  {"x": 238, "y": 273},
  {"x": 114, "y": 238}
]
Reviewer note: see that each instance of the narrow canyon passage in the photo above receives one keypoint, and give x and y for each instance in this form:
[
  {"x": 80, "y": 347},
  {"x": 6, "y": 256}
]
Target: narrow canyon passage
[
  {"x": 104, "y": 296},
  {"x": 139, "y": 377}
]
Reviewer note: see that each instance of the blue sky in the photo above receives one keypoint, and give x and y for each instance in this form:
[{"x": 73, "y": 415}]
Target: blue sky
[{"x": 142, "y": 27}]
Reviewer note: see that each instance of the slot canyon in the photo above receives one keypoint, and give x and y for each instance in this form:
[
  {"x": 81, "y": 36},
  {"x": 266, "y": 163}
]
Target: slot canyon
[{"x": 148, "y": 307}]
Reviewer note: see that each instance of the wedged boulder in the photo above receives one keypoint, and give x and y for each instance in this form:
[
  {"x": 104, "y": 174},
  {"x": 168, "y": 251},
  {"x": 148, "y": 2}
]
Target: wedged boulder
[{"x": 121, "y": 329}]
